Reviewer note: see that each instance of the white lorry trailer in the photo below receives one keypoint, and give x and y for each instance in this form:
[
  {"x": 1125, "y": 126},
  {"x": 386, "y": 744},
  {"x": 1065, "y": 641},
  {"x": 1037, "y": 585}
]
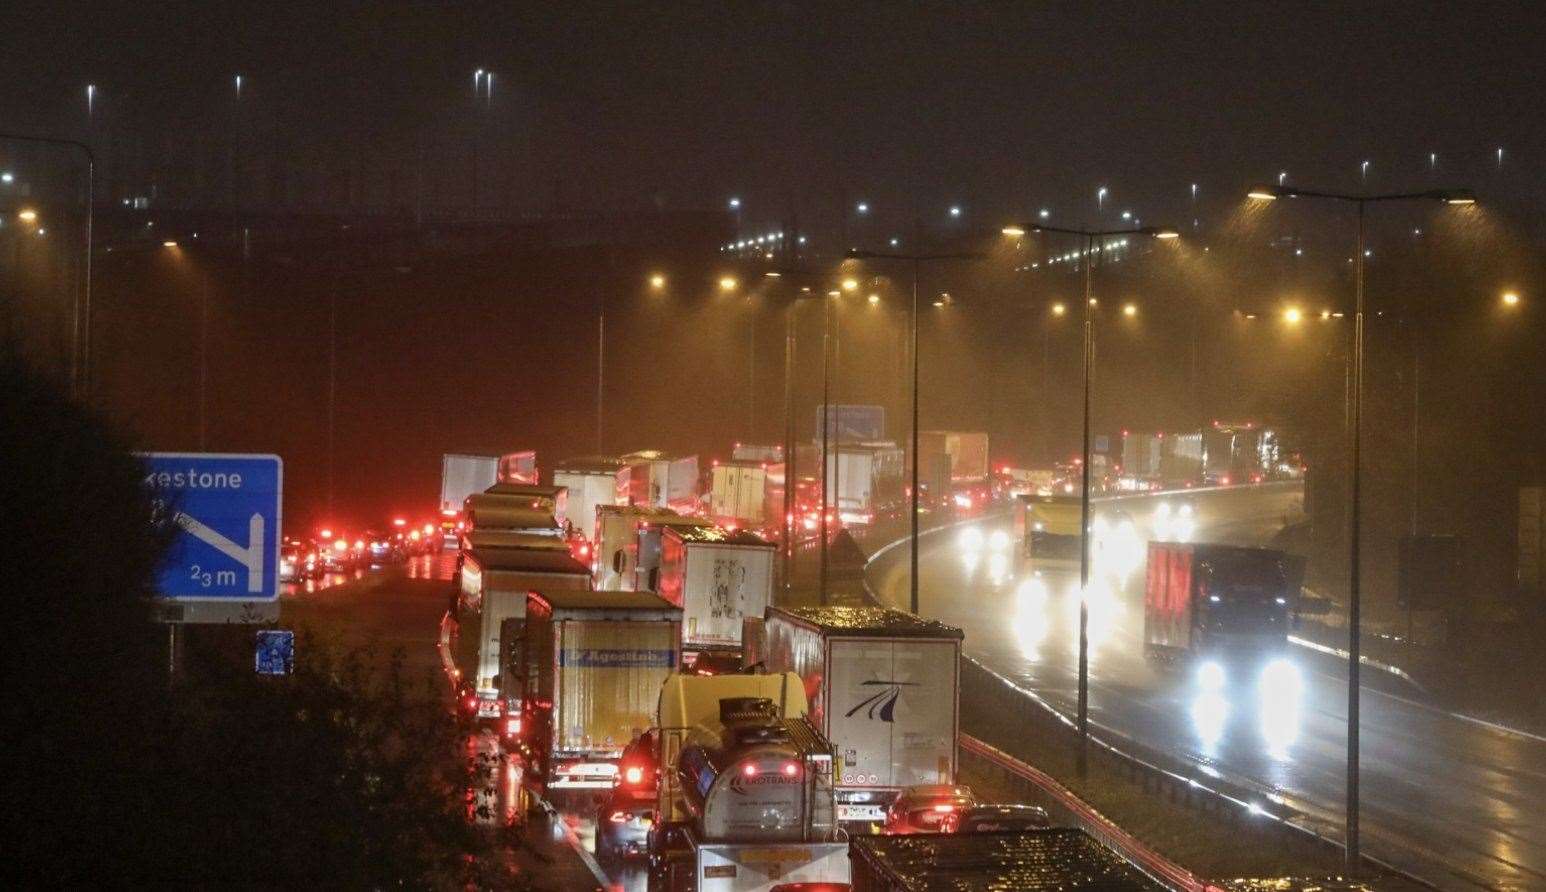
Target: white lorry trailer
[
  {"x": 591, "y": 481},
  {"x": 616, "y": 556},
  {"x": 718, "y": 577},
  {"x": 883, "y": 686},
  {"x": 665, "y": 481},
  {"x": 494, "y": 585},
  {"x": 462, "y": 475}
]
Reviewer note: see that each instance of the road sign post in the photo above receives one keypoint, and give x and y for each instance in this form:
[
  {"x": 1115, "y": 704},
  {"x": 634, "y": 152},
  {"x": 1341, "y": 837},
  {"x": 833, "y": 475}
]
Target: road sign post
[{"x": 223, "y": 563}]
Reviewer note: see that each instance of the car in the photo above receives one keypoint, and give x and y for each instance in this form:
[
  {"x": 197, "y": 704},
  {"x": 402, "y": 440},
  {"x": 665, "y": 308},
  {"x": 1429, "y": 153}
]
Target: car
[
  {"x": 638, "y": 767},
  {"x": 922, "y": 808},
  {"x": 623, "y": 822},
  {"x": 298, "y": 562},
  {"x": 381, "y": 548},
  {"x": 994, "y": 819}
]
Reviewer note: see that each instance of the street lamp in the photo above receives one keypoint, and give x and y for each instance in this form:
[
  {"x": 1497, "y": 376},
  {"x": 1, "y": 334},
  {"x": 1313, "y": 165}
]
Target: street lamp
[
  {"x": 1090, "y": 236},
  {"x": 1354, "y": 610},
  {"x": 917, "y": 261},
  {"x": 657, "y": 281},
  {"x": 1511, "y": 298}
]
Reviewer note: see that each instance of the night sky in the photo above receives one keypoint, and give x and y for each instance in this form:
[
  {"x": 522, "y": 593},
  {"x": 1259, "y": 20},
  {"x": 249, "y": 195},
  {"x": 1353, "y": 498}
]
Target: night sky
[{"x": 801, "y": 108}]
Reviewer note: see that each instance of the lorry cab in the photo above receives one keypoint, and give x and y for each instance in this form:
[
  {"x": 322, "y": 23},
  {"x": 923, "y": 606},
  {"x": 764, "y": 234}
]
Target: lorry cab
[
  {"x": 1047, "y": 526},
  {"x": 1220, "y": 603}
]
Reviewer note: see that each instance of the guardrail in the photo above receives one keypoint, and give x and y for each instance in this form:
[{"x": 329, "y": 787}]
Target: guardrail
[{"x": 1091, "y": 820}]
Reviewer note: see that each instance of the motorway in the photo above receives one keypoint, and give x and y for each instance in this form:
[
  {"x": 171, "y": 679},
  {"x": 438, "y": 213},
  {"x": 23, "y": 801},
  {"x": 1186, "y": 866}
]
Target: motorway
[{"x": 1456, "y": 802}]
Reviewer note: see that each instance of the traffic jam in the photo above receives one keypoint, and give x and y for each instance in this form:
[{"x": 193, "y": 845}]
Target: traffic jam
[{"x": 615, "y": 638}]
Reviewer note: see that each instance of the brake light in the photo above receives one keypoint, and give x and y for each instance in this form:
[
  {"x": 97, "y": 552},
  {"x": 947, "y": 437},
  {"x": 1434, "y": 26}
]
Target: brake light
[
  {"x": 791, "y": 769},
  {"x": 512, "y": 727},
  {"x": 633, "y": 774},
  {"x": 749, "y": 770},
  {"x": 340, "y": 545},
  {"x": 944, "y": 808}
]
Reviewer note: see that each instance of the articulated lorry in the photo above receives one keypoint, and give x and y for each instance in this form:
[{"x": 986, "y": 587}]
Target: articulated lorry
[
  {"x": 462, "y": 475},
  {"x": 518, "y": 467},
  {"x": 867, "y": 480},
  {"x": 591, "y": 481},
  {"x": 745, "y": 795},
  {"x": 1047, "y": 526},
  {"x": 593, "y": 665},
  {"x": 953, "y": 463},
  {"x": 1221, "y": 602},
  {"x": 492, "y": 613},
  {"x": 717, "y": 577},
  {"x": 883, "y": 686},
  {"x": 616, "y": 557},
  {"x": 741, "y": 494},
  {"x": 654, "y": 478}
]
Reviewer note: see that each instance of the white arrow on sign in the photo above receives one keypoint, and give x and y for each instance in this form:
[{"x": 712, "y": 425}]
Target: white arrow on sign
[{"x": 250, "y": 557}]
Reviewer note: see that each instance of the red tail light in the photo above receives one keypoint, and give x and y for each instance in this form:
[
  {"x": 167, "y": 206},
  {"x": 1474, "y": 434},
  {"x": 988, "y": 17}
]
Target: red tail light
[
  {"x": 791, "y": 769},
  {"x": 749, "y": 770},
  {"x": 633, "y": 774}
]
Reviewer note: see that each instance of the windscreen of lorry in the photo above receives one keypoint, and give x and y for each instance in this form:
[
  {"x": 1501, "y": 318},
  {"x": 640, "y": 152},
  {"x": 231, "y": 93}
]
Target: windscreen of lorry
[{"x": 1248, "y": 586}]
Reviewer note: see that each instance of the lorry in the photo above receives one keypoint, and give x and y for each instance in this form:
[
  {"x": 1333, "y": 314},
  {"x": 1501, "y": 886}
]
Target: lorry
[
  {"x": 616, "y": 557},
  {"x": 883, "y": 686},
  {"x": 738, "y": 495},
  {"x": 952, "y": 463},
  {"x": 1049, "y": 858},
  {"x": 591, "y": 481},
  {"x": 867, "y": 480},
  {"x": 650, "y": 533},
  {"x": 1047, "y": 526},
  {"x": 745, "y": 793},
  {"x": 491, "y": 612},
  {"x": 553, "y": 499},
  {"x": 593, "y": 665},
  {"x": 518, "y": 467},
  {"x": 1218, "y": 602},
  {"x": 717, "y": 576},
  {"x": 462, "y": 475},
  {"x": 652, "y": 477},
  {"x": 757, "y": 453}
]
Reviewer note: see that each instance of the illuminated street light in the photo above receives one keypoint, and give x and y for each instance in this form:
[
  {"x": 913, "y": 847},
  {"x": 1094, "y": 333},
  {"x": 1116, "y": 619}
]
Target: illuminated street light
[
  {"x": 727, "y": 283},
  {"x": 169, "y": 244},
  {"x": 1043, "y": 213},
  {"x": 862, "y": 207},
  {"x": 1510, "y": 298},
  {"x": 27, "y": 215},
  {"x": 735, "y": 204},
  {"x": 875, "y": 299},
  {"x": 1058, "y": 309},
  {"x": 1355, "y": 598},
  {"x": 955, "y": 210},
  {"x": 1127, "y": 215},
  {"x": 1130, "y": 310},
  {"x": 773, "y": 274},
  {"x": 850, "y": 284},
  {"x": 657, "y": 281},
  {"x": 7, "y": 177},
  {"x": 1090, "y": 237},
  {"x": 1013, "y": 230},
  {"x": 1292, "y": 315}
]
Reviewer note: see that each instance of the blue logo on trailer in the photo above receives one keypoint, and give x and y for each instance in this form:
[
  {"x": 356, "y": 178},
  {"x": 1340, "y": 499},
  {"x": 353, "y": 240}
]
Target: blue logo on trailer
[
  {"x": 226, "y": 509},
  {"x": 276, "y": 651}
]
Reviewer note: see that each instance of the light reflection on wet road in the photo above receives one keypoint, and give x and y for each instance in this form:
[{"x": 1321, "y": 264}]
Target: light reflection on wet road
[{"x": 1474, "y": 796}]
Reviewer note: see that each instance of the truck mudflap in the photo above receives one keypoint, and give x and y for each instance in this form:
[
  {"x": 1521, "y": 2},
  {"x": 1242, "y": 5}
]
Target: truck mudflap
[{"x": 757, "y": 867}]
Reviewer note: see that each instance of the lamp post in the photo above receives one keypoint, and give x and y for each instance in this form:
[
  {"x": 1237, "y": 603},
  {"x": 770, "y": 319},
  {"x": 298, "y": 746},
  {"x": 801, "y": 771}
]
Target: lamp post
[
  {"x": 1354, "y": 608},
  {"x": 917, "y": 261},
  {"x": 1090, "y": 237},
  {"x": 80, "y": 359}
]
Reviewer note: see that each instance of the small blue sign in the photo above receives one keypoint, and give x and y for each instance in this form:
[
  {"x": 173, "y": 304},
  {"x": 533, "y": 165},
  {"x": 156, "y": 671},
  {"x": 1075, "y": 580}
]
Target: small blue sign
[
  {"x": 1102, "y": 443},
  {"x": 276, "y": 652},
  {"x": 226, "y": 509}
]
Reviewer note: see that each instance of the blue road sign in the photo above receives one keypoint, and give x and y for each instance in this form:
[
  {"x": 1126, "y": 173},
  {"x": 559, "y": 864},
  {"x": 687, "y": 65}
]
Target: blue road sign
[
  {"x": 276, "y": 651},
  {"x": 226, "y": 508}
]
